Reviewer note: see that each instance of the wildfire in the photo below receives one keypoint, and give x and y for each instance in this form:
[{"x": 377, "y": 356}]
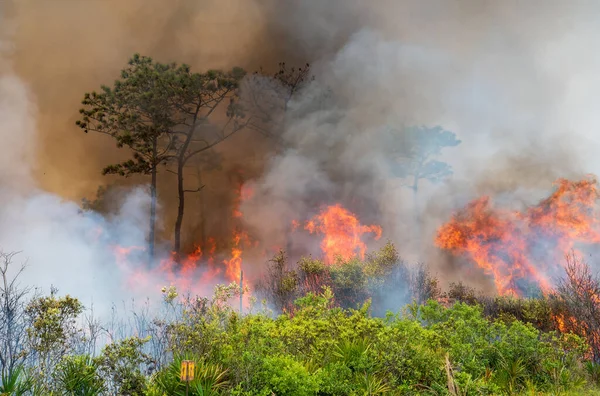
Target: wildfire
[
  {"x": 528, "y": 246},
  {"x": 342, "y": 233}
]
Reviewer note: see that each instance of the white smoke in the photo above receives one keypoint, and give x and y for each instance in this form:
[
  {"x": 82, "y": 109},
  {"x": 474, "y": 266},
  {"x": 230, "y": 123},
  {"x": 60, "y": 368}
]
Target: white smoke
[{"x": 63, "y": 246}]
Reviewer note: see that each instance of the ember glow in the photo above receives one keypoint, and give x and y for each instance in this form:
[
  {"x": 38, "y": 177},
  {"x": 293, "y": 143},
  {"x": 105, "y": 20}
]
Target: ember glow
[
  {"x": 342, "y": 233},
  {"x": 525, "y": 246}
]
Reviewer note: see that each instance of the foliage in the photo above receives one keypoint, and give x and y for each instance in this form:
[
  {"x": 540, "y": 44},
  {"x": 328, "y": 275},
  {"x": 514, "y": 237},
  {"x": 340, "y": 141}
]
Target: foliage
[
  {"x": 15, "y": 382},
  {"x": 209, "y": 378},
  {"x": 52, "y": 332},
  {"x": 460, "y": 344},
  {"x": 343, "y": 351},
  {"x": 381, "y": 276},
  {"x": 199, "y": 330},
  {"x": 52, "y": 321},
  {"x": 121, "y": 363},
  {"x": 284, "y": 375},
  {"x": 78, "y": 376}
]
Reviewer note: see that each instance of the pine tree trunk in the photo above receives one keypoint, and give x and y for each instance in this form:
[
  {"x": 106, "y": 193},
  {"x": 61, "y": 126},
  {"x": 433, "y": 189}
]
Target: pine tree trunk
[
  {"x": 181, "y": 160},
  {"x": 202, "y": 205},
  {"x": 180, "y": 209},
  {"x": 151, "y": 236}
]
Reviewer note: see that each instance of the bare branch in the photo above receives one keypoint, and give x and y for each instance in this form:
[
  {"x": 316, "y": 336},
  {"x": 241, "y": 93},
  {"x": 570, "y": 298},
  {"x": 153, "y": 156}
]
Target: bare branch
[{"x": 194, "y": 191}]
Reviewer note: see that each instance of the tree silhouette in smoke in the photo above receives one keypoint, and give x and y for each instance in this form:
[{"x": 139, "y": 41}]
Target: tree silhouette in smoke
[
  {"x": 268, "y": 97},
  {"x": 414, "y": 150}
]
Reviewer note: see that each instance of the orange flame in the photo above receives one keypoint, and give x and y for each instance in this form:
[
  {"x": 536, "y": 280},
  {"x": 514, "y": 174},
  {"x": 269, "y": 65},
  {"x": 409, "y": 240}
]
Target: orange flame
[
  {"x": 508, "y": 244},
  {"x": 233, "y": 266},
  {"x": 342, "y": 233}
]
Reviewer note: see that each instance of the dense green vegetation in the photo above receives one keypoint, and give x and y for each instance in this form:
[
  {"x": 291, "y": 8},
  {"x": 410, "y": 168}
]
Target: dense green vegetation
[{"x": 455, "y": 342}]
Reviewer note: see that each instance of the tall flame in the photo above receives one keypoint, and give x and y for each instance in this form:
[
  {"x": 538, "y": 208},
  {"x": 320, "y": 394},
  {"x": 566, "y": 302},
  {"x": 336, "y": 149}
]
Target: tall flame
[
  {"x": 240, "y": 238},
  {"x": 342, "y": 233},
  {"x": 513, "y": 246}
]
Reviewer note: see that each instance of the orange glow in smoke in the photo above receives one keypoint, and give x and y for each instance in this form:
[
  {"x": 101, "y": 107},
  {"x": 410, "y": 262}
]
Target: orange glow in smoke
[
  {"x": 295, "y": 225},
  {"x": 342, "y": 233},
  {"x": 529, "y": 245}
]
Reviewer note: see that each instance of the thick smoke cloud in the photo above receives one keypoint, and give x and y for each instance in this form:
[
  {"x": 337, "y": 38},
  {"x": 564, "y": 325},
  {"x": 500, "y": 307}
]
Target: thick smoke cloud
[
  {"x": 517, "y": 82},
  {"x": 505, "y": 78}
]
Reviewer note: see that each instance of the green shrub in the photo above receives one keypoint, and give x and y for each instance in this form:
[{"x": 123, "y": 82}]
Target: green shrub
[
  {"x": 283, "y": 375},
  {"x": 78, "y": 376},
  {"x": 209, "y": 378}
]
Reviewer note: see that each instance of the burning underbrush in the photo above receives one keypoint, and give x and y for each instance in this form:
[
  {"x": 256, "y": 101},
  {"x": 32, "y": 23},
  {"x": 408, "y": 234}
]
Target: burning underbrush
[
  {"x": 524, "y": 254},
  {"x": 518, "y": 249},
  {"x": 342, "y": 239}
]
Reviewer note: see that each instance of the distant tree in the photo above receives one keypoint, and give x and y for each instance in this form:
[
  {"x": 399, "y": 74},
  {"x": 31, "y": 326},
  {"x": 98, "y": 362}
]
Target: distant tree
[
  {"x": 414, "y": 151},
  {"x": 267, "y": 97},
  {"x": 109, "y": 199},
  {"x": 162, "y": 112}
]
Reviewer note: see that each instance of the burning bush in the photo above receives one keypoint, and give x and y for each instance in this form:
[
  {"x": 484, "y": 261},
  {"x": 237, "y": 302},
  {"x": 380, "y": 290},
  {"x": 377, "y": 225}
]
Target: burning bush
[
  {"x": 577, "y": 300},
  {"x": 521, "y": 248}
]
